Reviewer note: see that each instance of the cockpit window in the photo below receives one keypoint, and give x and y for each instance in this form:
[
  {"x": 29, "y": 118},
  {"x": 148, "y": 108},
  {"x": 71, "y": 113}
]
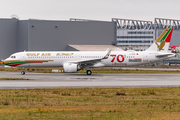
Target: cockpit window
[{"x": 13, "y": 56}]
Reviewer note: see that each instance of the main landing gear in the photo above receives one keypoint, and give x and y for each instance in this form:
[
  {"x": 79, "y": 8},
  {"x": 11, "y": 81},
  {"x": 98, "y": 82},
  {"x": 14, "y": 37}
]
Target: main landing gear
[
  {"x": 88, "y": 72},
  {"x": 23, "y": 71}
]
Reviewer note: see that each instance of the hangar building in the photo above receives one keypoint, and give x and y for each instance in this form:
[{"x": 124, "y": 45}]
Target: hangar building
[
  {"x": 45, "y": 35},
  {"x": 49, "y": 35}
]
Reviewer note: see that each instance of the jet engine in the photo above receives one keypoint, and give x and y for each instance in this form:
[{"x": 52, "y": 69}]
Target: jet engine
[{"x": 71, "y": 67}]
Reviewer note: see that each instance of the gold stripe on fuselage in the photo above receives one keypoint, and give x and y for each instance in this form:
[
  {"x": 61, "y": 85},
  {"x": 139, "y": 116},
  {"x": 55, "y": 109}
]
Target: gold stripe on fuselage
[{"x": 8, "y": 61}]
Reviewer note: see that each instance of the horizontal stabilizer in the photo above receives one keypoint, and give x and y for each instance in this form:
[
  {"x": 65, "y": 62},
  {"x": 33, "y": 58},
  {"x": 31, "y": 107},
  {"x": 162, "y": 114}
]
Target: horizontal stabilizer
[{"x": 165, "y": 55}]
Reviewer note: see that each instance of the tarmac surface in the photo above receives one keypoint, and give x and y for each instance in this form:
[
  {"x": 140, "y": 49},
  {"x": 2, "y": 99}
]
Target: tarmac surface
[{"x": 75, "y": 80}]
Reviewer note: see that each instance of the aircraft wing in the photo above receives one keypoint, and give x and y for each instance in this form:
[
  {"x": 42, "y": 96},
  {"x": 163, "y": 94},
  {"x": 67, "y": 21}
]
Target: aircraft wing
[{"x": 92, "y": 61}]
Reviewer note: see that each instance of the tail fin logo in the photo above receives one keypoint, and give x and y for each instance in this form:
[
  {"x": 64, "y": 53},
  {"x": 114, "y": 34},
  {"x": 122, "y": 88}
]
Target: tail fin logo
[
  {"x": 164, "y": 38},
  {"x": 160, "y": 47},
  {"x": 162, "y": 42}
]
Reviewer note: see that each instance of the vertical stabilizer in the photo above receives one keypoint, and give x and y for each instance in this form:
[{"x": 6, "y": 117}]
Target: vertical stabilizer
[{"x": 162, "y": 42}]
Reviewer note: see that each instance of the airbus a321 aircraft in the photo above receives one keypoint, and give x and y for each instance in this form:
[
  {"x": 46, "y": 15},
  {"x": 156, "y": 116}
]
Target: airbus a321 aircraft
[{"x": 73, "y": 61}]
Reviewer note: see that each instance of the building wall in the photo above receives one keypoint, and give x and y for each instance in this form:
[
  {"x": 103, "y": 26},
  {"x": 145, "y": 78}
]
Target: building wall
[
  {"x": 22, "y": 40},
  {"x": 8, "y": 37},
  {"x": 45, "y": 35},
  {"x": 56, "y": 35}
]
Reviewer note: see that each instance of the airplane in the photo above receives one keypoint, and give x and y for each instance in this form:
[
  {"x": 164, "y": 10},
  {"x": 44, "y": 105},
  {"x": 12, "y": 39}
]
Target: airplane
[{"x": 73, "y": 61}]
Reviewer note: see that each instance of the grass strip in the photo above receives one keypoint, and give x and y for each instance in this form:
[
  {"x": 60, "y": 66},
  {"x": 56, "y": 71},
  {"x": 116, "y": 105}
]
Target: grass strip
[{"x": 90, "y": 103}]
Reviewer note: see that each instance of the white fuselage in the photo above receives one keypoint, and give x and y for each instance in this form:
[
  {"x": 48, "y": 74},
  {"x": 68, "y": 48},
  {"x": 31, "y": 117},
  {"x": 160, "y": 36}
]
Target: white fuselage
[{"x": 57, "y": 59}]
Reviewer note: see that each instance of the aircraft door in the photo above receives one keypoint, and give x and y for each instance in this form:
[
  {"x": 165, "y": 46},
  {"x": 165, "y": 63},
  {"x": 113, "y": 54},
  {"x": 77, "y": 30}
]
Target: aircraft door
[
  {"x": 145, "y": 57},
  {"x": 22, "y": 57},
  {"x": 77, "y": 56}
]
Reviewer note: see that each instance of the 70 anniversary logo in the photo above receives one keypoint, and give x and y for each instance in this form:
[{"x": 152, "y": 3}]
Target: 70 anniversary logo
[{"x": 120, "y": 58}]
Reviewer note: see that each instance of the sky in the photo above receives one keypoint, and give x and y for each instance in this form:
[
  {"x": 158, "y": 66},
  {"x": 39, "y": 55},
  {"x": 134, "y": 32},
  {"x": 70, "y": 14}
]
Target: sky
[{"x": 103, "y": 10}]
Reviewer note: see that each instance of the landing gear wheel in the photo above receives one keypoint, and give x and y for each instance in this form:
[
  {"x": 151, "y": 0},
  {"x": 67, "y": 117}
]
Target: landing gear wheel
[
  {"x": 88, "y": 72},
  {"x": 22, "y": 73}
]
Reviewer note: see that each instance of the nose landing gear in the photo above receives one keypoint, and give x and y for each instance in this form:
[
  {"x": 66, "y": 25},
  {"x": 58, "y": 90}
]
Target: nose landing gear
[{"x": 23, "y": 71}]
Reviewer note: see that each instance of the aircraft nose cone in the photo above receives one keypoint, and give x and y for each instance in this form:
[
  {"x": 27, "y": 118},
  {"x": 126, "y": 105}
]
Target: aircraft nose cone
[{"x": 1, "y": 62}]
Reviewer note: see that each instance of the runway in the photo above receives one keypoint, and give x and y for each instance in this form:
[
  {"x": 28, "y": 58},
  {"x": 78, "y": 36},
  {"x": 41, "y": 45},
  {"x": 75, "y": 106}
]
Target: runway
[{"x": 75, "y": 80}]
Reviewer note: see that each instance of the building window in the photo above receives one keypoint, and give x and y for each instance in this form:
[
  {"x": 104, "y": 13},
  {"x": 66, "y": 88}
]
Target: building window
[
  {"x": 134, "y": 41},
  {"x": 140, "y": 32},
  {"x": 130, "y": 37}
]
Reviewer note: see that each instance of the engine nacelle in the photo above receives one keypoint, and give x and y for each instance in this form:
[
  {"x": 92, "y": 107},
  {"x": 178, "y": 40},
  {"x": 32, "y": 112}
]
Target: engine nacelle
[{"x": 71, "y": 68}]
